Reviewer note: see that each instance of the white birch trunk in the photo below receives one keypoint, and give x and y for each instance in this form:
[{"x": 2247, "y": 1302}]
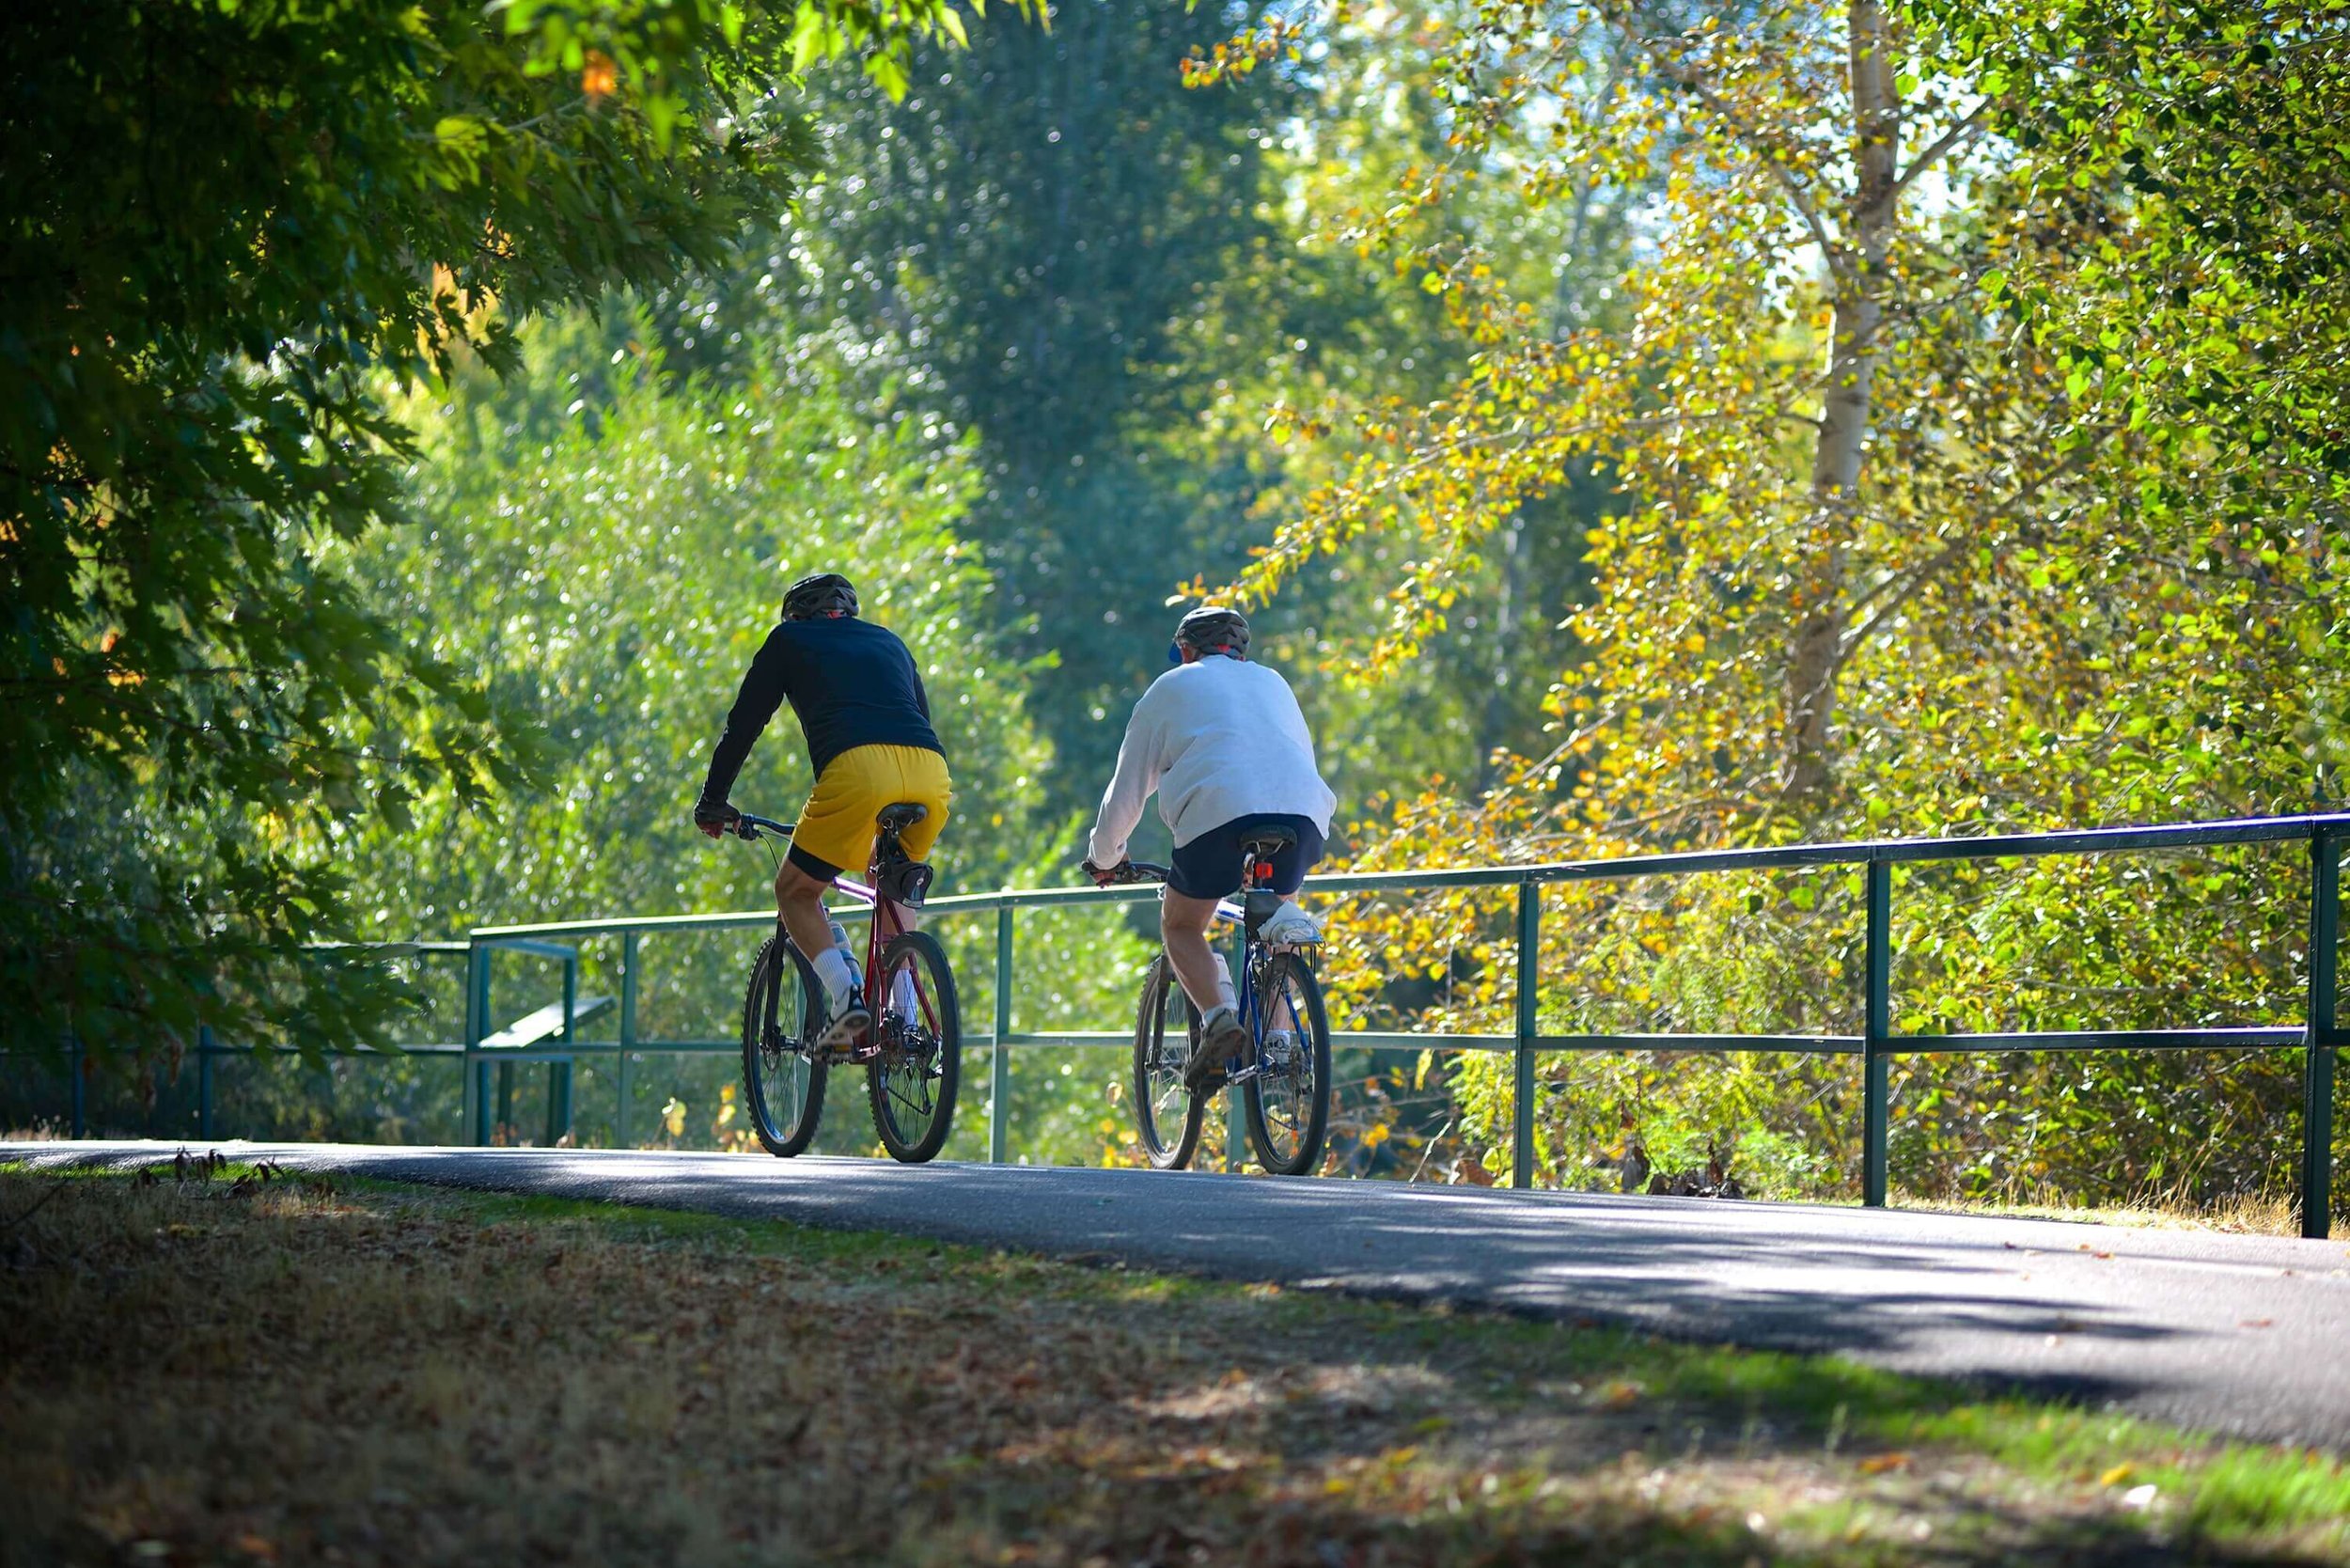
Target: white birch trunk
[{"x": 1858, "y": 281}]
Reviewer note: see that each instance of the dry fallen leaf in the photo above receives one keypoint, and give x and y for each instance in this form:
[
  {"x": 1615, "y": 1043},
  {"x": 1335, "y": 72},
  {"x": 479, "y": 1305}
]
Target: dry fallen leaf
[
  {"x": 2116, "y": 1476},
  {"x": 1877, "y": 1463}
]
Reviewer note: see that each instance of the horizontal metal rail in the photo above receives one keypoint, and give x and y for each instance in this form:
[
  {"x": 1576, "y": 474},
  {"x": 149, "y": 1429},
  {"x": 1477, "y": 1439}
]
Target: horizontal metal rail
[
  {"x": 2008, "y": 846},
  {"x": 2318, "y": 1036}
]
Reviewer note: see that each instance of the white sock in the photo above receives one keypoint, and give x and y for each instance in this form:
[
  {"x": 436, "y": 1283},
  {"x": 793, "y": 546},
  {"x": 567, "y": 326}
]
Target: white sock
[{"x": 838, "y": 977}]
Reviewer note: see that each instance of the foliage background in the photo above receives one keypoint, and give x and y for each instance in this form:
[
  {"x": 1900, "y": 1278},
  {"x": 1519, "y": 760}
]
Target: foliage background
[{"x": 1634, "y": 426}]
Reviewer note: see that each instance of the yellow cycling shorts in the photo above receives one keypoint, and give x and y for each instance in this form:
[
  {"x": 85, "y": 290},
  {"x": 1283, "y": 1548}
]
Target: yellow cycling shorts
[{"x": 835, "y": 831}]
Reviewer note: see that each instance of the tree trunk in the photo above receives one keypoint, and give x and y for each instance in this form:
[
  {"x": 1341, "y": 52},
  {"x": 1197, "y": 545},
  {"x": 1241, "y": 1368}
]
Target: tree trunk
[{"x": 1857, "y": 277}]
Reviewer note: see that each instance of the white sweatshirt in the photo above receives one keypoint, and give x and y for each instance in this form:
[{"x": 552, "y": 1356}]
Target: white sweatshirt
[{"x": 1218, "y": 739}]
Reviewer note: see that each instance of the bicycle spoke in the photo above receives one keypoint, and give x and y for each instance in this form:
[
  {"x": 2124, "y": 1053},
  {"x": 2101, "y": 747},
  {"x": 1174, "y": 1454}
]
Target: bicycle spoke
[
  {"x": 1286, "y": 1096},
  {"x": 920, "y": 1107},
  {"x": 913, "y": 1070},
  {"x": 784, "y": 1080}
]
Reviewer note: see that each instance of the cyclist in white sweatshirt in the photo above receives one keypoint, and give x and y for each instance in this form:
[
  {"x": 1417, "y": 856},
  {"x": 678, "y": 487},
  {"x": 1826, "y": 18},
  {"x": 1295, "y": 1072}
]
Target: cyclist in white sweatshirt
[{"x": 1223, "y": 743}]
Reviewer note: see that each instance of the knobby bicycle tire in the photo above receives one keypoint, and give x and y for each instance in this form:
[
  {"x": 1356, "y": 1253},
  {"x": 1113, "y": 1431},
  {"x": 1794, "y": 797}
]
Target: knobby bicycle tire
[
  {"x": 922, "y": 948},
  {"x": 1150, "y": 1062},
  {"x": 1283, "y": 972},
  {"x": 784, "y": 1122}
]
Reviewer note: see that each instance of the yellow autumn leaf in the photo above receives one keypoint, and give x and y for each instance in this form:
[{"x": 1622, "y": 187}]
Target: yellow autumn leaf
[{"x": 600, "y": 77}]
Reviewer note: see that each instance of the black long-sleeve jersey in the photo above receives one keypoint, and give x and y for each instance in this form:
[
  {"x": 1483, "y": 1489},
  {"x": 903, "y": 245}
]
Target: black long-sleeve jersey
[{"x": 851, "y": 682}]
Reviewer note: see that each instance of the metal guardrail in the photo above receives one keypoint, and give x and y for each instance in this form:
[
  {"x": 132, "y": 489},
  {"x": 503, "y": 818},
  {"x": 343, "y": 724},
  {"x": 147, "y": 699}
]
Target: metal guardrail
[{"x": 2319, "y": 1036}]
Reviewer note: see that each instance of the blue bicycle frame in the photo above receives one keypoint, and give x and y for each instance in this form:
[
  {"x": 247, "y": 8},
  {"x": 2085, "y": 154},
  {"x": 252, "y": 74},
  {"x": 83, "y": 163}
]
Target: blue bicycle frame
[{"x": 1253, "y": 953}]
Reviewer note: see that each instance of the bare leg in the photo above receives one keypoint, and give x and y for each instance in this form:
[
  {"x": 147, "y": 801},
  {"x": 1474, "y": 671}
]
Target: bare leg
[
  {"x": 800, "y": 899},
  {"x": 1183, "y": 927}
]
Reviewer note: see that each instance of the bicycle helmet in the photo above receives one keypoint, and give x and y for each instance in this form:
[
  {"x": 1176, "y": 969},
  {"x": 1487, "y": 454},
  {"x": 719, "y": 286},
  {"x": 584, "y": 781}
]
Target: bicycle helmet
[
  {"x": 1212, "y": 629},
  {"x": 824, "y": 593}
]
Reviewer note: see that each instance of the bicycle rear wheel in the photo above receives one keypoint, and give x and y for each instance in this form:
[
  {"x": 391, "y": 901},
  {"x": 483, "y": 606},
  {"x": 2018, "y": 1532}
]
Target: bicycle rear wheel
[
  {"x": 1288, "y": 1106},
  {"x": 1166, "y": 1032},
  {"x": 783, "y": 1083},
  {"x": 913, "y": 1080}
]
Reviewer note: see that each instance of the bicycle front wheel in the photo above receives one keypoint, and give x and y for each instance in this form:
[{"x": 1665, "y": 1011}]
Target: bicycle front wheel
[
  {"x": 920, "y": 1030},
  {"x": 1288, "y": 1104},
  {"x": 1167, "y": 1114},
  {"x": 783, "y": 1083}
]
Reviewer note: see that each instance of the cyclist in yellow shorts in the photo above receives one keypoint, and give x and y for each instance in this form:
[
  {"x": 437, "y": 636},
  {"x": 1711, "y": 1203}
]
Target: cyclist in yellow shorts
[{"x": 866, "y": 721}]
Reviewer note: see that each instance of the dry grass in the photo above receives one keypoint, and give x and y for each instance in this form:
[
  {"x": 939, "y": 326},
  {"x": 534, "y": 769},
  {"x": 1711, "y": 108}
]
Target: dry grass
[
  {"x": 2244, "y": 1214},
  {"x": 281, "y": 1372}
]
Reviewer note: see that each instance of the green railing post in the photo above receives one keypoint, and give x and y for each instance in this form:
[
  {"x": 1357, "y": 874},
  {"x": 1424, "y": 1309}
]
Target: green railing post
[
  {"x": 2317, "y": 1066},
  {"x": 1000, "y": 1058},
  {"x": 1877, "y": 1033},
  {"x": 560, "y": 1072},
  {"x": 465, "y": 1062},
  {"x": 1529, "y": 1011},
  {"x": 628, "y": 1032},
  {"x": 477, "y": 1029},
  {"x": 204, "y": 1080}
]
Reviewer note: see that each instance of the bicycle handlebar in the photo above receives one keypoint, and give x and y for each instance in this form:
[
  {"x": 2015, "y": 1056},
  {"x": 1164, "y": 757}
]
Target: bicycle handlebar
[{"x": 748, "y": 828}]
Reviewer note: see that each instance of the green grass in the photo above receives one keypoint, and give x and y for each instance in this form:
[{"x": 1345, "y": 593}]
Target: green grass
[{"x": 294, "y": 1371}]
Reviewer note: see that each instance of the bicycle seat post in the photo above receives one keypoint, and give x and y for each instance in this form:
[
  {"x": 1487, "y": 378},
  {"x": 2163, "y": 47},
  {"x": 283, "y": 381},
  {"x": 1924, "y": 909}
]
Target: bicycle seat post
[
  {"x": 1258, "y": 899},
  {"x": 897, "y": 877}
]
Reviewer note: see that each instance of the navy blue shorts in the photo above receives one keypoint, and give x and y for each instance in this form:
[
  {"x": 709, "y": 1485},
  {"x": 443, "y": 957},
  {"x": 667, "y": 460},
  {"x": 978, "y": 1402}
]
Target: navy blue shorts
[{"x": 1214, "y": 866}]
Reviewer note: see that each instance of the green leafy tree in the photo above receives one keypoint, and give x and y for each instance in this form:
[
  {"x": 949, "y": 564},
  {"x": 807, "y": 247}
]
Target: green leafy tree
[
  {"x": 609, "y": 568},
  {"x": 1033, "y": 235},
  {"x": 1943, "y": 506},
  {"x": 605, "y": 546},
  {"x": 226, "y": 227}
]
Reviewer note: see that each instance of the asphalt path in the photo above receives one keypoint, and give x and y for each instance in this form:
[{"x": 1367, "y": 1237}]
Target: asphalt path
[{"x": 2244, "y": 1335}]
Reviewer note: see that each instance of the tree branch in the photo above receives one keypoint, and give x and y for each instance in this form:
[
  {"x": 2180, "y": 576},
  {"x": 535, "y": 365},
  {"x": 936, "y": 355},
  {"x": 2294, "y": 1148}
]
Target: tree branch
[
  {"x": 1906, "y": 585},
  {"x": 1948, "y": 141},
  {"x": 1759, "y": 143}
]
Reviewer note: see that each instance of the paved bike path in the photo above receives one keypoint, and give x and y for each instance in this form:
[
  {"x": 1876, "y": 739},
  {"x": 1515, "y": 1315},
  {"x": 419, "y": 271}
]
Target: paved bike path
[{"x": 2249, "y": 1336}]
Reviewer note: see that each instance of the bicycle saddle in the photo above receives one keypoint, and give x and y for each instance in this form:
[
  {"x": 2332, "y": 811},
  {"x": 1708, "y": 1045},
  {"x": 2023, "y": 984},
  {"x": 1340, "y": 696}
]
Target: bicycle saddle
[
  {"x": 895, "y": 819},
  {"x": 1268, "y": 840}
]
